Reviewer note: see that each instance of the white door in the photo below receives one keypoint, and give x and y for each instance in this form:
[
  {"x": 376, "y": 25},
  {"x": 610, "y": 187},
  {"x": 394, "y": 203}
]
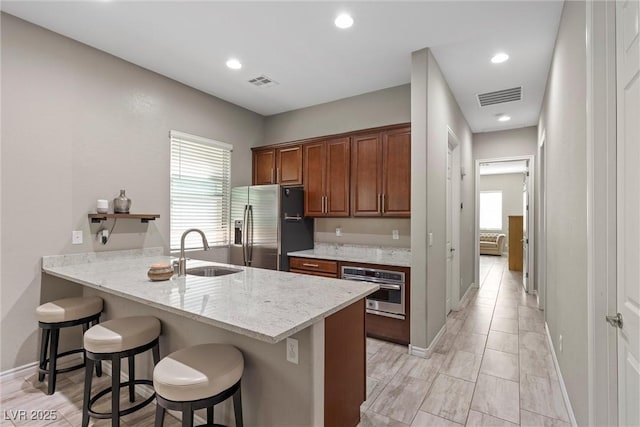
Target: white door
[
  {"x": 525, "y": 235},
  {"x": 450, "y": 247},
  {"x": 628, "y": 207}
]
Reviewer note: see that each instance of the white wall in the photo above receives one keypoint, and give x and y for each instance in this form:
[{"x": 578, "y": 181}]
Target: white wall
[
  {"x": 79, "y": 125},
  {"x": 511, "y": 186},
  {"x": 505, "y": 143},
  {"x": 383, "y": 107},
  {"x": 434, "y": 110},
  {"x": 563, "y": 117}
]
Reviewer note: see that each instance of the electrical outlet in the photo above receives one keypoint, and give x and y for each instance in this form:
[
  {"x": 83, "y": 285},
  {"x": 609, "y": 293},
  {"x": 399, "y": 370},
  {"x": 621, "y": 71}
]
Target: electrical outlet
[
  {"x": 560, "y": 343},
  {"x": 292, "y": 350},
  {"x": 338, "y": 231},
  {"x": 395, "y": 234},
  {"x": 76, "y": 237}
]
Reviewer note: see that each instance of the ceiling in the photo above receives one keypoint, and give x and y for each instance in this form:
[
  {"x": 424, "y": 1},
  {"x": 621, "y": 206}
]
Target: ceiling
[
  {"x": 297, "y": 45},
  {"x": 499, "y": 168}
]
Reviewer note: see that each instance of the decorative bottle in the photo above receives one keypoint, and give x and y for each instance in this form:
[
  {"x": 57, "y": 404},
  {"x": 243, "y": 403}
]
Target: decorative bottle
[{"x": 122, "y": 203}]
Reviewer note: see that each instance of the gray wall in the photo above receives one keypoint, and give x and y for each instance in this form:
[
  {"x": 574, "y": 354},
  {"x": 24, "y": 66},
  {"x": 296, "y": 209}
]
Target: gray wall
[
  {"x": 563, "y": 117},
  {"x": 78, "y": 125},
  {"x": 505, "y": 143},
  {"x": 384, "y": 107},
  {"x": 511, "y": 186},
  {"x": 434, "y": 111},
  {"x": 379, "y": 108}
]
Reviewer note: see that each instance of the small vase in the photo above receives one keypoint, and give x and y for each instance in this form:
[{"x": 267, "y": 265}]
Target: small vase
[{"x": 122, "y": 203}]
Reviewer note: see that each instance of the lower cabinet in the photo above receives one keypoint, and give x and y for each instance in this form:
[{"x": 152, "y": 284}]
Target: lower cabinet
[{"x": 314, "y": 267}]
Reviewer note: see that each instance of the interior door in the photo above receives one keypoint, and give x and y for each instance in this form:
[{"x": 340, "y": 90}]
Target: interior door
[
  {"x": 450, "y": 247},
  {"x": 628, "y": 206},
  {"x": 525, "y": 235}
]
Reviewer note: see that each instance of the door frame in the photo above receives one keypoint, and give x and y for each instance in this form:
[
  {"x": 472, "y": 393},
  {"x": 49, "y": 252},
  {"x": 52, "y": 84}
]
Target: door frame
[
  {"x": 531, "y": 226},
  {"x": 453, "y": 144},
  {"x": 541, "y": 219},
  {"x": 601, "y": 212}
]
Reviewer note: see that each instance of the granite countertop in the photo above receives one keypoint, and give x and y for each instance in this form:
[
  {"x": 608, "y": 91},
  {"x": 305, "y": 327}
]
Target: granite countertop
[
  {"x": 263, "y": 304},
  {"x": 399, "y": 257}
]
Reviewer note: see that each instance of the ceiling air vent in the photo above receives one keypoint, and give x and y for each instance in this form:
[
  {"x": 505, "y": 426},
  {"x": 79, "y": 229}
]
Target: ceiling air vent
[
  {"x": 263, "y": 81},
  {"x": 500, "y": 96}
]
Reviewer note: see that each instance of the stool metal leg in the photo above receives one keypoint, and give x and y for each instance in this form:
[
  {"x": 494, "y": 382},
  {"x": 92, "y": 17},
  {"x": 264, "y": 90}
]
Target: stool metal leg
[
  {"x": 88, "y": 376},
  {"x": 85, "y": 328},
  {"x": 159, "y": 415},
  {"x": 115, "y": 392},
  {"x": 187, "y": 417},
  {"x": 53, "y": 356},
  {"x": 210, "y": 415},
  {"x": 43, "y": 352},
  {"x": 98, "y": 362},
  {"x": 132, "y": 378},
  {"x": 156, "y": 353},
  {"x": 237, "y": 407}
]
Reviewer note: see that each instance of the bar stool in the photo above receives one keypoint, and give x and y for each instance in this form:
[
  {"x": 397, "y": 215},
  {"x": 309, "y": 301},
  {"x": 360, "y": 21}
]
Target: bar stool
[
  {"x": 114, "y": 340},
  {"x": 64, "y": 313},
  {"x": 198, "y": 377}
]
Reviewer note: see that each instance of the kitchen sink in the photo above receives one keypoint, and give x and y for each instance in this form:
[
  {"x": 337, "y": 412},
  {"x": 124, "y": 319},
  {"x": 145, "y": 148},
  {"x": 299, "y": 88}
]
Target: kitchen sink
[{"x": 211, "y": 271}]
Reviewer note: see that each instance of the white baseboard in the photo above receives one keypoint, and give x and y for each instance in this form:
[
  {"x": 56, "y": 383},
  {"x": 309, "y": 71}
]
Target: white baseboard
[
  {"x": 425, "y": 353},
  {"x": 563, "y": 388},
  {"x": 19, "y": 372},
  {"x": 466, "y": 296}
]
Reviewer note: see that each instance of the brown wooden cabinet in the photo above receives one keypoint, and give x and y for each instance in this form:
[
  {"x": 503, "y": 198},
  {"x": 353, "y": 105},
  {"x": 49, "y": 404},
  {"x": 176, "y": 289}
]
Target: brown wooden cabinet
[
  {"x": 515, "y": 242},
  {"x": 326, "y": 177},
  {"x": 313, "y": 267},
  {"x": 279, "y": 165},
  {"x": 381, "y": 173}
]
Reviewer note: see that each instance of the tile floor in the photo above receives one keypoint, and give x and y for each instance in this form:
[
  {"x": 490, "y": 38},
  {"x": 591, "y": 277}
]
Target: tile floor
[{"x": 492, "y": 367}]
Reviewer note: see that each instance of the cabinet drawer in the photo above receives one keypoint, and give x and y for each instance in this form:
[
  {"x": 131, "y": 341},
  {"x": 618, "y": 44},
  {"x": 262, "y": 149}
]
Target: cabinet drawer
[{"x": 311, "y": 264}]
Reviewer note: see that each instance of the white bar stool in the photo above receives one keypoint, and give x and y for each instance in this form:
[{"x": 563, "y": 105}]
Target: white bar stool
[
  {"x": 114, "y": 340},
  {"x": 198, "y": 377},
  {"x": 64, "y": 313}
]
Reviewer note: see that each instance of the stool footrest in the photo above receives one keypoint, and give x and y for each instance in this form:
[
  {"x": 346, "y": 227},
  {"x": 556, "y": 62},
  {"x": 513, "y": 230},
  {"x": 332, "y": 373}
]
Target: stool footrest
[
  {"x": 45, "y": 363},
  {"x": 106, "y": 415}
]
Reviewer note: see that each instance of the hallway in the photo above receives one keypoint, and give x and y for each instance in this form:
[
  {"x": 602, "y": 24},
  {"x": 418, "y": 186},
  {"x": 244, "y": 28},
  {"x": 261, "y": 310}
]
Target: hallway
[{"x": 492, "y": 367}]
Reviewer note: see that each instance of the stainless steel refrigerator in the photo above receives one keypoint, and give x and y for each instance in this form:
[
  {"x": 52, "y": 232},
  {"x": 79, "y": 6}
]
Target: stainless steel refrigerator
[{"x": 268, "y": 222}]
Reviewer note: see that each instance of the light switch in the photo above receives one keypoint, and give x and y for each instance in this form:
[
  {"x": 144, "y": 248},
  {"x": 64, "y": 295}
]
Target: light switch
[
  {"x": 430, "y": 239},
  {"x": 76, "y": 237}
]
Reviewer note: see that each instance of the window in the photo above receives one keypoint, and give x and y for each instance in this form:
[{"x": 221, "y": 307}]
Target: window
[
  {"x": 200, "y": 189},
  {"x": 491, "y": 210}
]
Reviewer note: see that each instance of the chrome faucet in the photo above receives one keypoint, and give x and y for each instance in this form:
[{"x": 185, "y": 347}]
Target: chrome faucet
[{"x": 182, "y": 261}]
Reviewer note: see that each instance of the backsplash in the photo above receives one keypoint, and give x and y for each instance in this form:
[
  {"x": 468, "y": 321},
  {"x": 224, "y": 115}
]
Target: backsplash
[{"x": 364, "y": 231}]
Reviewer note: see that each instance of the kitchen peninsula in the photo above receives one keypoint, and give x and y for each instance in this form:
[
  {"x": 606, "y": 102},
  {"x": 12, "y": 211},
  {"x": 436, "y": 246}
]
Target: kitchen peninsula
[{"x": 254, "y": 310}]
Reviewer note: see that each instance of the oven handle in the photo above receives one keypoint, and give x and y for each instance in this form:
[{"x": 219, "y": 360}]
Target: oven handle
[{"x": 383, "y": 285}]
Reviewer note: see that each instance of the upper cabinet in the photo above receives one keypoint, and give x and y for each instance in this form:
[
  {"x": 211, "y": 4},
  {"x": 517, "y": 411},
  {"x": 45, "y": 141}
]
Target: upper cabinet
[
  {"x": 396, "y": 173},
  {"x": 381, "y": 173},
  {"x": 278, "y": 165},
  {"x": 362, "y": 174},
  {"x": 326, "y": 178}
]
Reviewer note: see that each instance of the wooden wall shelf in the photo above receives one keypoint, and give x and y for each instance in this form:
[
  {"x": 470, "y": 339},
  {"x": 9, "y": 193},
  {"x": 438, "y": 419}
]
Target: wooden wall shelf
[{"x": 145, "y": 218}]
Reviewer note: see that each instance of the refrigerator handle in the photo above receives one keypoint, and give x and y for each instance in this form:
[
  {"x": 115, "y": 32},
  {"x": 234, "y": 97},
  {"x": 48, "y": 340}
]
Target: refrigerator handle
[
  {"x": 246, "y": 233},
  {"x": 250, "y": 239}
]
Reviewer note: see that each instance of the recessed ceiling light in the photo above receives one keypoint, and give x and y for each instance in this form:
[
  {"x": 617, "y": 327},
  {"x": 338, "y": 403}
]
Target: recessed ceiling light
[
  {"x": 499, "y": 58},
  {"x": 234, "y": 64},
  {"x": 343, "y": 21},
  {"x": 504, "y": 118}
]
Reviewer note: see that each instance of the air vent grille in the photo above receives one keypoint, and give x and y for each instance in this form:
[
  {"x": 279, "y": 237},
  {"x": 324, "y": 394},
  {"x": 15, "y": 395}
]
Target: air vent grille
[
  {"x": 500, "y": 96},
  {"x": 263, "y": 81}
]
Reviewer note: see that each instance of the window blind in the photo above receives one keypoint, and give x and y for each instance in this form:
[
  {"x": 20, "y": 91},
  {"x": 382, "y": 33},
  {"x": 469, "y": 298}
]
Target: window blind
[
  {"x": 200, "y": 189},
  {"x": 491, "y": 210}
]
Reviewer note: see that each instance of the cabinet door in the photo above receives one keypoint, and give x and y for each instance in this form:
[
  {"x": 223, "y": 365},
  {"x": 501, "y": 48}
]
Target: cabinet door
[
  {"x": 337, "y": 177},
  {"x": 264, "y": 162},
  {"x": 366, "y": 160},
  {"x": 289, "y": 165},
  {"x": 314, "y": 178},
  {"x": 396, "y": 173}
]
